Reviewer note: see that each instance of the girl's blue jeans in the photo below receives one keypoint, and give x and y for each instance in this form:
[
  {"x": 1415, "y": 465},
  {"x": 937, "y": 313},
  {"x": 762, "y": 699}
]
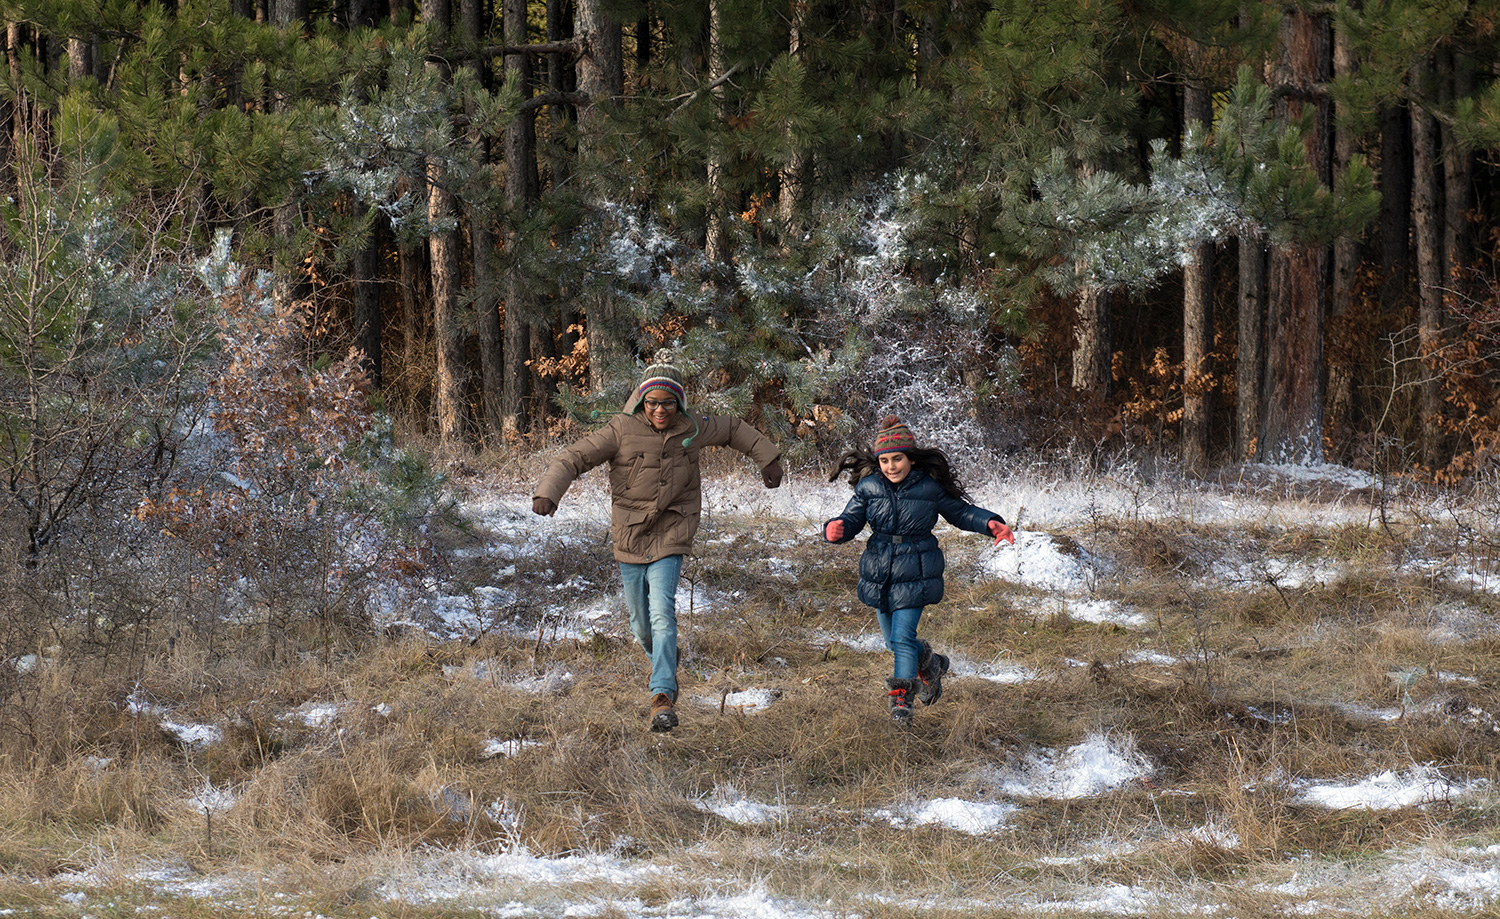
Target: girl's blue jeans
[
  {"x": 899, "y": 628},
  {"x": 651, "y": 597}
]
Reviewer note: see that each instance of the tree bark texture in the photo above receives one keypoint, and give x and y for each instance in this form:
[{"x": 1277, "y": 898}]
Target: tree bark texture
[
  {"x": 1458, "y": 176},
  {"x": 1197, "y": 317},
  {"x": 1427, "y": 210},
  {"x": 794, "y": 173},
  {"x": 1092, "y": 370},
  {"x": 451, "y": 376},
  {"x": 1395, "y": 204},
  {"x": 715, "y": 243},
  {"x": 1091, "y": 350},
  {"x": 1251, "y": 363},
  {"x": 521, "y": 183},
  {"x": 1346, "y": 259},
  {"x": 1292, "y": 417},
  {"x": 601, "y": 79}
]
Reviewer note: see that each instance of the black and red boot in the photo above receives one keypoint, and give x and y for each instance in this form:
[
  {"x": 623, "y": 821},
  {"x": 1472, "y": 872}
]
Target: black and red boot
[
  {"x": 930, "y": 669},
  {"x": 900, "y": 694}
]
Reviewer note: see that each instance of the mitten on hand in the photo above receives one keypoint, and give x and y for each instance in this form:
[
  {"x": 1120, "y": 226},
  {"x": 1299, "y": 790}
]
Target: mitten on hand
[
  {"x": 834, "y": 530},
  {"x": 772, "y": 474},
  {"x": 1001, "y": 532},
  {"x": 544, "y": 507}
]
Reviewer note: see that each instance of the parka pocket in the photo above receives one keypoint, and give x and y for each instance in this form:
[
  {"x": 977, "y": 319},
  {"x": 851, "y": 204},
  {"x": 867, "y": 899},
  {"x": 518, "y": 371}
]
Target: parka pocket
[
  {"x": 633, "y": 532},
  {"x": 627, "y": 475}
]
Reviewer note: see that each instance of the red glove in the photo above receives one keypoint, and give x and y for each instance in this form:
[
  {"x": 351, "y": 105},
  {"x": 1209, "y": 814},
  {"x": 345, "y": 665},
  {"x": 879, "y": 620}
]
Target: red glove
[
  {"x": 1001, "y": 531},
  {"x": 834, "y": 531}
]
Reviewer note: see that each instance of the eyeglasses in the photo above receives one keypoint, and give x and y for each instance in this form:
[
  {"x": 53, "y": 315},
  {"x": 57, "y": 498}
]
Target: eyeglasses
[{"x": 667, "y": 406}]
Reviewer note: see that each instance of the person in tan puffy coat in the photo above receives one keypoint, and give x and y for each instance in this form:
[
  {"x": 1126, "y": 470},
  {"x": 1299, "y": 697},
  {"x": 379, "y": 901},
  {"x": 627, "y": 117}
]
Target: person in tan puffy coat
[{"x": 656, "y": 492}]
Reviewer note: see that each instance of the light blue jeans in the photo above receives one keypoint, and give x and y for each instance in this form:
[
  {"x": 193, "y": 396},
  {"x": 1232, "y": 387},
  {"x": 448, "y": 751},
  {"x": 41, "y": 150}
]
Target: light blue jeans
[
  {"x": 651, "y": 597},
  {"x": 899, "y": 628}
]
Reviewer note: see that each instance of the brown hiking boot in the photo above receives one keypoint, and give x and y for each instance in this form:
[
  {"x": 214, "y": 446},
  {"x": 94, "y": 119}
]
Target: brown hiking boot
[{"x": 663, "y": 718}]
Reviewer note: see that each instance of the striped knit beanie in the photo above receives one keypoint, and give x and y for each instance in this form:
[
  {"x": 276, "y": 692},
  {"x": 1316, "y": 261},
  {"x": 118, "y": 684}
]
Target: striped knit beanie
[
  {"x": 893, "y": 437},
  {"x": 658, "y": 376}
]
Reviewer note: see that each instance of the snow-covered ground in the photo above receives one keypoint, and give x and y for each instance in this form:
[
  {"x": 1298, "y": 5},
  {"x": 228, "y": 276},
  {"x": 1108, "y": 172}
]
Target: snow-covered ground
[{"x": 1456, "y": 876}]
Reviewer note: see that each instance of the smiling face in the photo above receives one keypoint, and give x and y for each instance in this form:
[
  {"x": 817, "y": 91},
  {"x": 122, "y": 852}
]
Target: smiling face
[
  {"x": 895, "y": 467},
  {"x": 660, "y": 407}
]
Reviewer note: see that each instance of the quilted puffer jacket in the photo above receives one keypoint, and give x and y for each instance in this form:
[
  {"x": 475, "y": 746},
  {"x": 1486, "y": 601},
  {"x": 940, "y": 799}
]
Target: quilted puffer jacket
[
  {"x": 902, "y": 565},
  {"x": 654, "y": 483}
]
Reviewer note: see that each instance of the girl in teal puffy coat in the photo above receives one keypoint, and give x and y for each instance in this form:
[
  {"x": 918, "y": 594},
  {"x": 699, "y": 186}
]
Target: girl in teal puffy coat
[{"x": 900, "y": 490}]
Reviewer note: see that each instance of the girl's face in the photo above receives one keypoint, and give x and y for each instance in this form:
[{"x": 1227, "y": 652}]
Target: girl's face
[{"x": 895, "y": 466}]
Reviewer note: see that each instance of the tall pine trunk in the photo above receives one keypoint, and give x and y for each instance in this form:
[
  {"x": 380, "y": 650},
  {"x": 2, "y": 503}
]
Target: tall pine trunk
[
  {"x": 1396, "y": 174},
  {"x": 1346, "y": 258},
  {"x": 1426, "y": 210},
  {"x": 601, "y": 78},
  {"x": 1091, "y": 357},
  {"x": 520, "y": 193},
  {"x": 1092, "y": 370},
  {"x": 451, "y": 376},
  {"x": 793, "y": 178},
  {"x": 1251, "y": 363},
  {"x": 1197, "y": 315},
  {"x": 715, "y": 243},
  {"x": 486, "y": 297},
  {"x": 1292, "y": 417},
  {"x": 1458, "y": 176}
]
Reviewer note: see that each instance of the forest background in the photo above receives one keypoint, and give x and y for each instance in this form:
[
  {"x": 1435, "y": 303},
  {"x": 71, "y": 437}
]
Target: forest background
[
  {"x": 276, "y": 277},
  {"x": 1238, "y": 230}
]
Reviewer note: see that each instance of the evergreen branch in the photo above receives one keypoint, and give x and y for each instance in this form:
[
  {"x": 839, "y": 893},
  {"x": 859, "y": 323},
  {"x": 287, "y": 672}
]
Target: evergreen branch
[
  {"x": 535, "y": 102},
  {"x": 490, "y": 52},
  {"x": 689, "y": 98}
]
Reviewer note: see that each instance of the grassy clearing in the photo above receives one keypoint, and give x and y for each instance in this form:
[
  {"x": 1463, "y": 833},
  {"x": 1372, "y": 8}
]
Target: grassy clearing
[{"x": 1241, "y": 663}]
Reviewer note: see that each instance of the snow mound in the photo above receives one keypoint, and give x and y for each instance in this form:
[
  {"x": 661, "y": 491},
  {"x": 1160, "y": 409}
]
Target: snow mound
[{"x": 1097, "y": 765}]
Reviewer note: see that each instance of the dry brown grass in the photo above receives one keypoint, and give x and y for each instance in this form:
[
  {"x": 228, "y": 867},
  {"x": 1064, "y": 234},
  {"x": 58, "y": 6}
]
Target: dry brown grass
[{"x": 1265, "y": 685}]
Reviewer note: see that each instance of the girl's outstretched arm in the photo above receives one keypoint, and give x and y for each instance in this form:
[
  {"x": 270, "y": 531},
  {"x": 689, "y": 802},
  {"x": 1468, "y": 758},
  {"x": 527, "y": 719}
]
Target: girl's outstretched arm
[{"x": 847, "y": 525}]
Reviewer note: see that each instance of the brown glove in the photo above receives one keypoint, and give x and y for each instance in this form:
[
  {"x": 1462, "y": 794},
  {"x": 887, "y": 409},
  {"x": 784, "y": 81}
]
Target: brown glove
[
  {"x": 546, "y": 507},
  {"x": 772, "y": 474}
]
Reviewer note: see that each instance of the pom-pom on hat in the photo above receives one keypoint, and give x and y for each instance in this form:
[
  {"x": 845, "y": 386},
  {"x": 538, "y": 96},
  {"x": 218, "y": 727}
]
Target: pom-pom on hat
[
  {"x": 893, "y": 437},
  {"x": 658, "y": 376}
]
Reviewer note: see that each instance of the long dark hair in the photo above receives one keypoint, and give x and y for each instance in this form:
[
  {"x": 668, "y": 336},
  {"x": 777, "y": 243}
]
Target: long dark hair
[{"x": 860, "y": 462}]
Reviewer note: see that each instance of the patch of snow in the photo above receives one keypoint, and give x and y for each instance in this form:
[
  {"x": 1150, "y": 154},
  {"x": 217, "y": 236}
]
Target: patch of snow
[
  {"x": 212, "y": 800},
  {"x": 1111, "y": 899},
  {"x": 732, "y": 805},
  {"x": 746, "y": 701},
  {"x": 1154, "y": 658},
  {"x": 315, "y": 715},
  {"x": 1387, "y": 791},
  {"x": 194, "y": 736},
  {"x": 513, "y": 747},
  {"x": 973, "y": 817},
  {"x": 1099, "y": 764},
  {"x": 997, "y": 671},
  {"x": 1104, "y": 612},
  {"x": 1342, "y": 476},
  {"x": 865, "y": 643},
  {"x": 459, "y": 878},
  {"x": 1036, "y": 561}
]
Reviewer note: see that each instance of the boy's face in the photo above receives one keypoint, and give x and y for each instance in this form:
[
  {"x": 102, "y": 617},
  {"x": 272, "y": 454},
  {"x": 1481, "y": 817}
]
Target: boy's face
[
  {"x": 661, "y": 407},
  {"x": 895, "y": 466}
]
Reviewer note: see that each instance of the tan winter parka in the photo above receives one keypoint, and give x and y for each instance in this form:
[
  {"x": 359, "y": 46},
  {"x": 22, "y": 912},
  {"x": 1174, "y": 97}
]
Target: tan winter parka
[{"x": 653, "y": 477}]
